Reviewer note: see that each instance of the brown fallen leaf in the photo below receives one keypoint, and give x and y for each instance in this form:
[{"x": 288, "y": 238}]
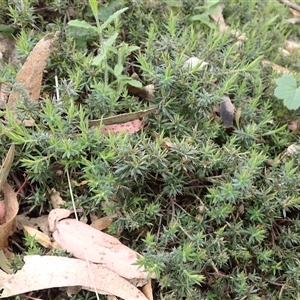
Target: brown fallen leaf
[
  {"x": 40, "y": 237},
  {"x": 11, "y": 208},
  {"x": 44, "y": 272},
  {"x": 275, "y": 67},
  {"x": 294, "y": 126},
  {"x": 2, "y": 212},
  {"x": 39, "y": 223},
  {"x": 290, "y": 150},
  {"x": 55, "y": 199},
  {"x": 291, "y": 46},
  {"x": 145, "y": 92},
  {"x": 4, "y": 94},
  {"x": 147, "y": 290},
  {"x": 102, "y": 223},
  {"x": 8, "y": 50},
  {"x": 163, "y": 142},
  {"x": 5, "y": 263},
  {"x": 294, "y": 12},
  {"x": 100, "y": 247},
  {"x": 72, "y": 290},
  {"x": 6, "y": 166},
  {"x": 31, "y": 74}
]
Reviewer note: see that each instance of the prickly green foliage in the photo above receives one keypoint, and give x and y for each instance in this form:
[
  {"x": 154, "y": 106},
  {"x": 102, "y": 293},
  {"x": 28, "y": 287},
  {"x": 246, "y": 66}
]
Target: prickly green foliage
[{"x": 215, "y": 214}]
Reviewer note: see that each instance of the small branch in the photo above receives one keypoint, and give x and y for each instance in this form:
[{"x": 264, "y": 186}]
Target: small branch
[{"x": 291, "y": 4}]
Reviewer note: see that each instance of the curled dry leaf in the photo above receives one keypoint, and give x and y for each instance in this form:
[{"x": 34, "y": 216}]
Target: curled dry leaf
[
  {"x": 293, "y": 126},
  {"x": 147, "y": 290},
  {"x": 73, "y": 290},
  {"x": 8, "y": 50},
  {"x": 39, "y": 223},
  {"x": 123, "y": 118},
  {"x": 5, "y": 263},
  {"x": 145, "y": 92},
  {"x": 6, "y": 166},
  {"x": 31, "y": 74},
  {"x": 43, "y": 272},
  {"x": 55, "y": 199},
  {"x": 291, "y": 149},
  {"x": 40, "y": 237},
  {"x": 104, "y": 222},
  {"x": 226, "y": 111},
  {"x": 163, "y": 142},
  {"x": 11, "y": 208},
  {"x": 193, "y": 62}
]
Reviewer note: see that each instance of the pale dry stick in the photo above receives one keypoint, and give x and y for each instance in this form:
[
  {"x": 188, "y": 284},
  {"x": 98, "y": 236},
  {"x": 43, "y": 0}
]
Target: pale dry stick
[
  {"x": 56, "y": 88},
  {"x": 84, "y": 248},
  {"x": 290, "y": 4},
  {"x": 184, "y": 231},
  {"x": 247, "y": 294},
  {"x": 173, "y": 208},
  {"x": 182, "y": 209},
  {"x": 158, "y": 231}
]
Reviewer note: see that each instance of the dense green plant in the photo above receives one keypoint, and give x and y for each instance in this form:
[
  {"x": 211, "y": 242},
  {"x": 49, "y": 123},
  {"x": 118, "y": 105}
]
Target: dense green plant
[{"x": 215, "y": 213}]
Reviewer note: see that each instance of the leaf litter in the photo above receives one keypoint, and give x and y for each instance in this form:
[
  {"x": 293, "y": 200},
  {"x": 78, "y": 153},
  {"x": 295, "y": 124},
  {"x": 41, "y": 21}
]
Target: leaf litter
[
  {"x": 111, "y": 263},
  {"x": 11, "y": 210},
  {"x": 9, "y": 206},
  {"x": 31, "y": 74},
  {"x": 41, "y": 272},
  {"x": 100, "y": 247}
]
